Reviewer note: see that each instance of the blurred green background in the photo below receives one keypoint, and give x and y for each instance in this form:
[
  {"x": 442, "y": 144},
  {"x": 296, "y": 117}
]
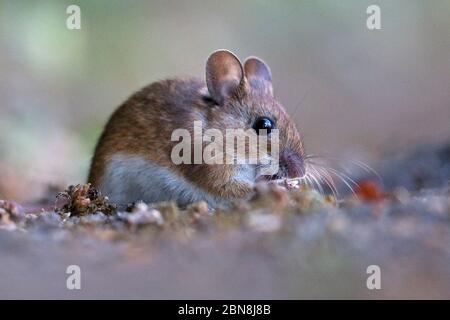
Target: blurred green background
[{"x": 353, "y": 92}]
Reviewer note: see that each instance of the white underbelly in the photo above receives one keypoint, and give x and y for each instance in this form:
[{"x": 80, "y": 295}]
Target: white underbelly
[{"x": 132, "y": 178}]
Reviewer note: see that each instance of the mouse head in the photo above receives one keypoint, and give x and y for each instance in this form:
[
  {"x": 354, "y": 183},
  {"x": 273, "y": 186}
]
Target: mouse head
[{"x": 244, "y": 99}]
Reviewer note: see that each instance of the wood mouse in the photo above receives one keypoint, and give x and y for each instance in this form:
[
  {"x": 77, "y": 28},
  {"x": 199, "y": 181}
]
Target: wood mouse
[{"x": 132, "y": 159}]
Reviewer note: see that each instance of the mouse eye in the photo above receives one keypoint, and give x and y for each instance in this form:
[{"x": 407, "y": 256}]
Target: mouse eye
[{"x": 264, "y": 123}]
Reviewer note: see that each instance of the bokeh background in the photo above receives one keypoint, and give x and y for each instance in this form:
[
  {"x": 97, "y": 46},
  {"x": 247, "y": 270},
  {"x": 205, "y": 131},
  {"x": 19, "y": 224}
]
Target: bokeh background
[{"x": 353, "y": 92}]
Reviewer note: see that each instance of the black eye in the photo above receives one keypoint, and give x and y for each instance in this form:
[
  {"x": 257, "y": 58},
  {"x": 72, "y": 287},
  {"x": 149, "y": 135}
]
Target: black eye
[{"x": 264, "y": 123}]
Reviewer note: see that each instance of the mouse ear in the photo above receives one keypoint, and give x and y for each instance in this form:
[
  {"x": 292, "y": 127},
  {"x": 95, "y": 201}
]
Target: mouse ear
[
  {"x": 258, "y": 75},
  {"x": 224, "y": 75}
]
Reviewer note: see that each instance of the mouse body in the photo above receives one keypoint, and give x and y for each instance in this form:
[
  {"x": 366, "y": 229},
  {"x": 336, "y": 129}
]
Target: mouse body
[{"x": 134, "y": 157}]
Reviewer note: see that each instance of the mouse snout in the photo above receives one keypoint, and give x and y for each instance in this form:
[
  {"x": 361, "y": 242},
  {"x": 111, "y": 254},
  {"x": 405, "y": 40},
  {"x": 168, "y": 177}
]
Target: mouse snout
[{"x": 291, "y": 165}]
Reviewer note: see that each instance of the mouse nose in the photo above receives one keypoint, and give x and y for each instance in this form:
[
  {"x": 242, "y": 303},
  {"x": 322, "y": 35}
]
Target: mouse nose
[{"x": 291, "y": 164}]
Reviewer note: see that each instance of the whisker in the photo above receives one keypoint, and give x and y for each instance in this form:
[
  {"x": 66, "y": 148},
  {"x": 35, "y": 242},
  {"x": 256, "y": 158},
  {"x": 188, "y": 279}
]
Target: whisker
[
  {"x": 345, "y": 176},
  {"x": 315, "y": 176},
  {"x": 317, "y": 183},
  {"x": 323, "y": 178},
  {"x": 342, "y": 176},
  {"x": 327, "y": 178},
  {"x": 309, "y": 183},
  {"x": 357, "y": 163}
]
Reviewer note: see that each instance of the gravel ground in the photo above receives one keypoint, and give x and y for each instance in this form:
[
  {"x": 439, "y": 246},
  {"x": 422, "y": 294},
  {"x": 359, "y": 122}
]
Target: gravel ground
[{"x": 282, "y": 244}]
